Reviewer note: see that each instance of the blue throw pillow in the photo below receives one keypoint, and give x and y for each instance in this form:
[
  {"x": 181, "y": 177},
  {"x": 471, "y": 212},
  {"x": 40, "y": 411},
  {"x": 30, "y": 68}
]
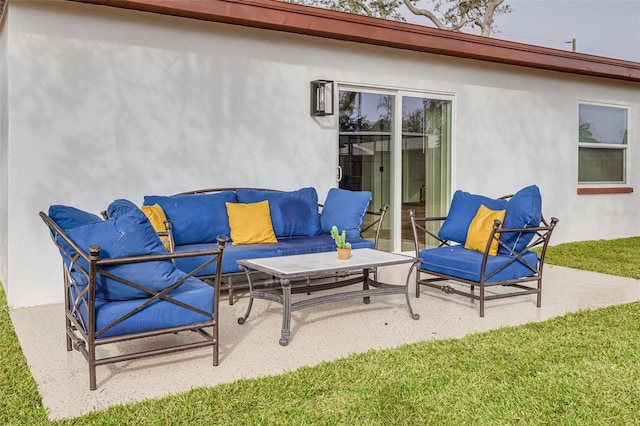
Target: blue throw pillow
[
  {"x": 122, "y": 207},
  {"x": 464, "y": 207},
  {"x": 126, "y": 235},
  {"x": 524, "y": 210},
  {"x": 67, "y": 217},
  {"x": 293, "y": 213},
  {"x": 344, "y": 209},
  {"x": 197, "y": 218}
]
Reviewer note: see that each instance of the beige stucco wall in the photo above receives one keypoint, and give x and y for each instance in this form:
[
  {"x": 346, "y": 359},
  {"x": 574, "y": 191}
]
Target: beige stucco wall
[{"x": 106, "y": 103}]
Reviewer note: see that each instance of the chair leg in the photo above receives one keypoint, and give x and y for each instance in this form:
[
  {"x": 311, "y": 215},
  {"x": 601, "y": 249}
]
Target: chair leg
[
  {"x": 216, "y": 346},
  {"x": 539, "y": 300},
  {"x": 481, "y": 300},
  {"x": 67, "y": 324},
  {"x": 92, "y": 367}
]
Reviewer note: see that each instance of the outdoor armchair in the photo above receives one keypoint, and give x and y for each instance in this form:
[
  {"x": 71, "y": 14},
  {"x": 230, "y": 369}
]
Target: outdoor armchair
[
  {"x": 120, "y": 284},
  {"x": 493, "y": 244}
]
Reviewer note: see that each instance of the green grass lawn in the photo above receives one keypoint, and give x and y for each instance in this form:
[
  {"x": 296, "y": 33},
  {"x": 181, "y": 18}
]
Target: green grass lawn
[{"x": 579, "y": 369}]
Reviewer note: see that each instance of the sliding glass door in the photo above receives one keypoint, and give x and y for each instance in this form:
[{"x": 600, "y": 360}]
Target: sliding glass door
[
  {"x": 426, "y": 160},
  {"x": 396, "y": 145}
]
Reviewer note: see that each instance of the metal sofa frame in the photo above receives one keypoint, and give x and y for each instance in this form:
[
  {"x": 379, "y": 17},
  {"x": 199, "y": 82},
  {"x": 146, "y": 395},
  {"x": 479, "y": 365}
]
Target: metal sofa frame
[
  {"x": 516, "y": 287},
  {"x": 84, "y": 337},
  {"x": 238, "y": 281}
]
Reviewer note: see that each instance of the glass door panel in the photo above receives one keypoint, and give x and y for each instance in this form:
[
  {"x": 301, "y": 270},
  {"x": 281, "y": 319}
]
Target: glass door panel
[
  {"x": 426, "y": 159},
  {"x": 365, "y": 138},
  {"x": 406, "y": 166}
]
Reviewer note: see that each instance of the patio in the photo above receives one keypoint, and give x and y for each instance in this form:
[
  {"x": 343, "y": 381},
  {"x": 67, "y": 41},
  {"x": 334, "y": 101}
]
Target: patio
[{"x": 320, "y": 334}]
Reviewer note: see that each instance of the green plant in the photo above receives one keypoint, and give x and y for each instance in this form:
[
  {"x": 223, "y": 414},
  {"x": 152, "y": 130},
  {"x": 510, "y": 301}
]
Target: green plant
[{"x": 340, "y": 238}]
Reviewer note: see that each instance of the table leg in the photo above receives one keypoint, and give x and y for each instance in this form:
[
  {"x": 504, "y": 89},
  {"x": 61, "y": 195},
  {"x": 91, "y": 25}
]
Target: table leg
[
  {"x": 242, "y": 320},
  {"x": 406, "y": 291},
  {"x": 286, "y": 311},
  {"x": 365, "y": 284}
]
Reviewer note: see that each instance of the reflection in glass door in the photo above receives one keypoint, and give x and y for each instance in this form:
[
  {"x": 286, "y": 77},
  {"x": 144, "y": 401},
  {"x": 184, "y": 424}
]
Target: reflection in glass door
[
  {"x": 426, "y": 159},
  {"x": 365, "y": 149},
  {"x": 368, "y": 145}
]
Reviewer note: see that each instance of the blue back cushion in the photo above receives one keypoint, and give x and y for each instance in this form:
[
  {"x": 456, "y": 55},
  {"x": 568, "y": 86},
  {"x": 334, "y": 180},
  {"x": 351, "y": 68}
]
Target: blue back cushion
[
  {"x": 196, "y": 218},
  {"x": 464, "y": 207},
  {"x": 524, "y": 210},
  {"x": 344, "y": 209},
  {"x": 293, "y": 213},
  {"x": 126, "y": 233},
  {"x": 67, "y": 217}
]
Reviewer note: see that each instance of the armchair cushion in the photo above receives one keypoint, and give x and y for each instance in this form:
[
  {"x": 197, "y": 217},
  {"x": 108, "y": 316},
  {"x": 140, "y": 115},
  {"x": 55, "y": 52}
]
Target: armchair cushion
[
  {"x": 456, "y": 261},
  {"x": 464, "y": 207},
  {"x": 126, "y": 233},
  {"x": 67, "y": 217},
  {"x": 480, "y": 230},
  {"x": 198, "y": 218},
  {"x": 250, "y": 223},
  {"x": 524, "y": 210},
  {"x": 344, "y": 209},
  {"x": 293, "y": 213}
]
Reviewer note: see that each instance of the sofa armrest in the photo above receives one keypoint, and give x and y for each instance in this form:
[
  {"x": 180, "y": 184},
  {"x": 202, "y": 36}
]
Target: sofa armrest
[{"x": 377, "y": 218}]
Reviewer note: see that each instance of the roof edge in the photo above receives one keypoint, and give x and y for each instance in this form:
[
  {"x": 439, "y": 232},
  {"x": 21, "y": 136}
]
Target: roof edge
[{"x": 313, "y": 21}]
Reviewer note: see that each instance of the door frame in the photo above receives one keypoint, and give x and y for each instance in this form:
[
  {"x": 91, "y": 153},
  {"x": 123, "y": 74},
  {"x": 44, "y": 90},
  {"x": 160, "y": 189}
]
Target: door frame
[{"x": 395, "y": 206}]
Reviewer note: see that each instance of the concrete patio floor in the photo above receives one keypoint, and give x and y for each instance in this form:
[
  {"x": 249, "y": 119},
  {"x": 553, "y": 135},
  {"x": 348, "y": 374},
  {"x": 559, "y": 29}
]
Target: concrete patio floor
[{"x": 321, "y": 333}]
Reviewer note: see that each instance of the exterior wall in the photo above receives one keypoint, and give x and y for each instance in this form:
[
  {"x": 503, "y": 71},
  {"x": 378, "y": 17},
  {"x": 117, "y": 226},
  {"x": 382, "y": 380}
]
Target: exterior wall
[
  {"x": 4, "y": 160},
  {"x": 107, "y": 103}
]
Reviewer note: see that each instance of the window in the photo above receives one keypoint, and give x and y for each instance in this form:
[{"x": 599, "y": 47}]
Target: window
[{"x": 602, "y": 144}]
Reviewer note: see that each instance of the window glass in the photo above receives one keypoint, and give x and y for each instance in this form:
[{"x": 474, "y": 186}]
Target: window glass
[
  {"x": 602, "y": 144},
  {"x": 601, "y": 165}
]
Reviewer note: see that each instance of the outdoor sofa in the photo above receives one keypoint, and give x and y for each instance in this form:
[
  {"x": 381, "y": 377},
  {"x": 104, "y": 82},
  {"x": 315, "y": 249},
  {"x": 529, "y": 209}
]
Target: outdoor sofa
[
  {"x": 262, "y": 223},
  {"x": 497, "y": 245}
]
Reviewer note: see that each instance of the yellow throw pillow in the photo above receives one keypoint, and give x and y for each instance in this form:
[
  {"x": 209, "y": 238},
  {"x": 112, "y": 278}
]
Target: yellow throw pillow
[
  {"x": 250, "y": 223},
  {"x": 156, "y": 216},
  {"x": 480, "y": 230}
]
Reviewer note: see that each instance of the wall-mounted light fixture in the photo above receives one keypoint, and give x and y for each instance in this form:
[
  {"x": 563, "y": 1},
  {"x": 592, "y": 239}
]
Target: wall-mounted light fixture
[{"x": 321, "y": 97}]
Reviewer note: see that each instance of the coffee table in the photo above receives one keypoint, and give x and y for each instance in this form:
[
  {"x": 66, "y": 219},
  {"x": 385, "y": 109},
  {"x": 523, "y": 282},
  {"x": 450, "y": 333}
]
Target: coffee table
[{"x": 322, "y": 271}]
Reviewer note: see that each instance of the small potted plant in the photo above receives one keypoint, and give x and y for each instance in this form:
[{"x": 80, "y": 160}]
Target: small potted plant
[{"x": 343, "y": 246}]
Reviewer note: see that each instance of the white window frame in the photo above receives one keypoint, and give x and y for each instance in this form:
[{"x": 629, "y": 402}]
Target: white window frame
[{"x": 625, "y": 147}]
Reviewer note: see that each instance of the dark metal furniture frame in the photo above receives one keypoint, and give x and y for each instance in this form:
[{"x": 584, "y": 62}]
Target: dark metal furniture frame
[
  {"x": 83, "y": 336},
  {"x": 321, "y": 275},
  {"x": 517, "y": 287},
  {"x": 239, "y": 281}
]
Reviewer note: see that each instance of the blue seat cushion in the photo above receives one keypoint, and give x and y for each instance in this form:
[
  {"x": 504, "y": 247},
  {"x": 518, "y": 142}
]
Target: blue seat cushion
[
  {"x": 344, "y": 209},
  {"x": 126, "y": 234},
  {"x": 459, "y": 262},
  {"x": 285, "y": 246},
  {"x": 523, "y": 210},
  {"x": 198, "y": 218},
  {"x": 464, "y": 207},
  {"x": 232, "y": 253},
  {"x": 293, "y": 213},
  {"x": 158, "y": 315}
]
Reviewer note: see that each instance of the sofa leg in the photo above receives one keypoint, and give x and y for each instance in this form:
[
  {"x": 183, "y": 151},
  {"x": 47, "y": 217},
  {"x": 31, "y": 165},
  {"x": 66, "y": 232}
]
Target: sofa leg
[{"x": 230, "y": 290}]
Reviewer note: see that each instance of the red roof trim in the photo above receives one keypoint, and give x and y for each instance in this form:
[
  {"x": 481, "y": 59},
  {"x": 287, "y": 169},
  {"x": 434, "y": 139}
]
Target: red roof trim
[{"x": 293, "y": 18}]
